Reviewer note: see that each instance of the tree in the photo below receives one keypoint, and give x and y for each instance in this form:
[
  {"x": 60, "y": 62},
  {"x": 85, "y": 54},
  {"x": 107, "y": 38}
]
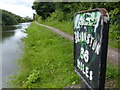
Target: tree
[
  {"x": 44, "y": 8},
  {"x": 28, "y": 19},
  {"x": 9, "y": 18}
]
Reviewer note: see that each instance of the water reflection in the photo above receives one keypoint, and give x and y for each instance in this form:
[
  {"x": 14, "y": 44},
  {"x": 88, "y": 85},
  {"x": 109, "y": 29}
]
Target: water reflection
[
  {"x": 7, "y": 35},
  {"x": 8, "y": 31},
  {"x": 7, "y": 28},
  {"x": 11, "y": 49}
]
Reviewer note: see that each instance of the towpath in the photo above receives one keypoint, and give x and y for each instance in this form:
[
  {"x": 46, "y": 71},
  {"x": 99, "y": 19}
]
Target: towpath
[{"x": 113, "y": 54}]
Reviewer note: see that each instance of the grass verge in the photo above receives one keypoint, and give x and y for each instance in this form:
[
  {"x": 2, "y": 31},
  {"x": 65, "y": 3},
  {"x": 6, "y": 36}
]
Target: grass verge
[{"x": 47, "y": 61}]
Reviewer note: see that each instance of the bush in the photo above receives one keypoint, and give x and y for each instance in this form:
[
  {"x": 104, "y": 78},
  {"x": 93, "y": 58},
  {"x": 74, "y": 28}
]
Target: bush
[{"x": 56, "y": 16}]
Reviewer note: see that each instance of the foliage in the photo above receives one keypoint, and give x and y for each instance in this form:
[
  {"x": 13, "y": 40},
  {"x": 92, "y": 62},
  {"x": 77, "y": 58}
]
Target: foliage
[
  {"x": 56, "y": 16},
  {"x": 9, "y": 18},
  {"x": 27, "y": 19},
  {"x": 34, "y": 77},
  {"x": 43, "y": 8},
  {"x": 65, "y": 11},
  {"x": 114, "y": 33},
  {"x": 70, "y": 8}
]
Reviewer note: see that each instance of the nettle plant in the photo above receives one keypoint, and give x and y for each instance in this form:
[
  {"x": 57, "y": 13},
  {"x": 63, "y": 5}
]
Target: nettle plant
[{"x": 33, "y": 78}]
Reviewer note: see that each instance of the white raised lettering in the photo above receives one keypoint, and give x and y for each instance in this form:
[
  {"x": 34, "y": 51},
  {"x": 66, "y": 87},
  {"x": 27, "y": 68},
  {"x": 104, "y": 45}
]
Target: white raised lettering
[
  {"x": 86, "y": 72},
  {"x": 98, "y": 48},
  {"x": 88, "y": 39},
  {"x": 91, "y": 41},
  {"x": 94, "y": 45},
  {"x": 91, "y": 75},
  {"x": 86, "y": 56},
  {"x": 82, "y": 53}
]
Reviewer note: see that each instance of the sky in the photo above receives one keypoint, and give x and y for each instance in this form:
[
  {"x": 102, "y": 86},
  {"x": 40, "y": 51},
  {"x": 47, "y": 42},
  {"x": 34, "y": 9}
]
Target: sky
[{"x": 18, "y": 7}]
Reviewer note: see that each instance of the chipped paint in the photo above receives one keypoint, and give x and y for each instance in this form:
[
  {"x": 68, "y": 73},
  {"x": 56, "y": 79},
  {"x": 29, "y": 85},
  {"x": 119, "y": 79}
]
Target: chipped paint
[
  {"x": 106, "y": 18},
  {"x": 89, "y": 19},
  {"x": 90, "y": 26}
]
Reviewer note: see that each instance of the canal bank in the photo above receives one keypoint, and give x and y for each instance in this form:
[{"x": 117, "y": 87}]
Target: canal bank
[{"x": 11, "y": 50}]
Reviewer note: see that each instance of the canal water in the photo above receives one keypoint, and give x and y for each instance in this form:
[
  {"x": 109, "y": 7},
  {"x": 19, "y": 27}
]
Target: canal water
[{"x": 12, "y": 50}]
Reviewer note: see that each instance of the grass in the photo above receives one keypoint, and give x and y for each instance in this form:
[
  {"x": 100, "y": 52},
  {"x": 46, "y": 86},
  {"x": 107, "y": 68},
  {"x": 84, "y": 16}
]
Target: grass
[
  {"x": 114, "y": 44},
  {"x": 67, "y": 26},
  {"x": 48, "y": 61},
  {"x": 112, "y": 74},
  {"x": 64, "y": 26}
]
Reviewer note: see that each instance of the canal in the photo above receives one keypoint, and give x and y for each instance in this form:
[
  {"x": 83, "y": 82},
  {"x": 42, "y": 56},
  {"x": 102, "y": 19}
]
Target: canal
[{"x": 12, "y": 50}]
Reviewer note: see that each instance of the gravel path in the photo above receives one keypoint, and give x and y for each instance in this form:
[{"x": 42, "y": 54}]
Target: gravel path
[{"x": 113, "y": 54}]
